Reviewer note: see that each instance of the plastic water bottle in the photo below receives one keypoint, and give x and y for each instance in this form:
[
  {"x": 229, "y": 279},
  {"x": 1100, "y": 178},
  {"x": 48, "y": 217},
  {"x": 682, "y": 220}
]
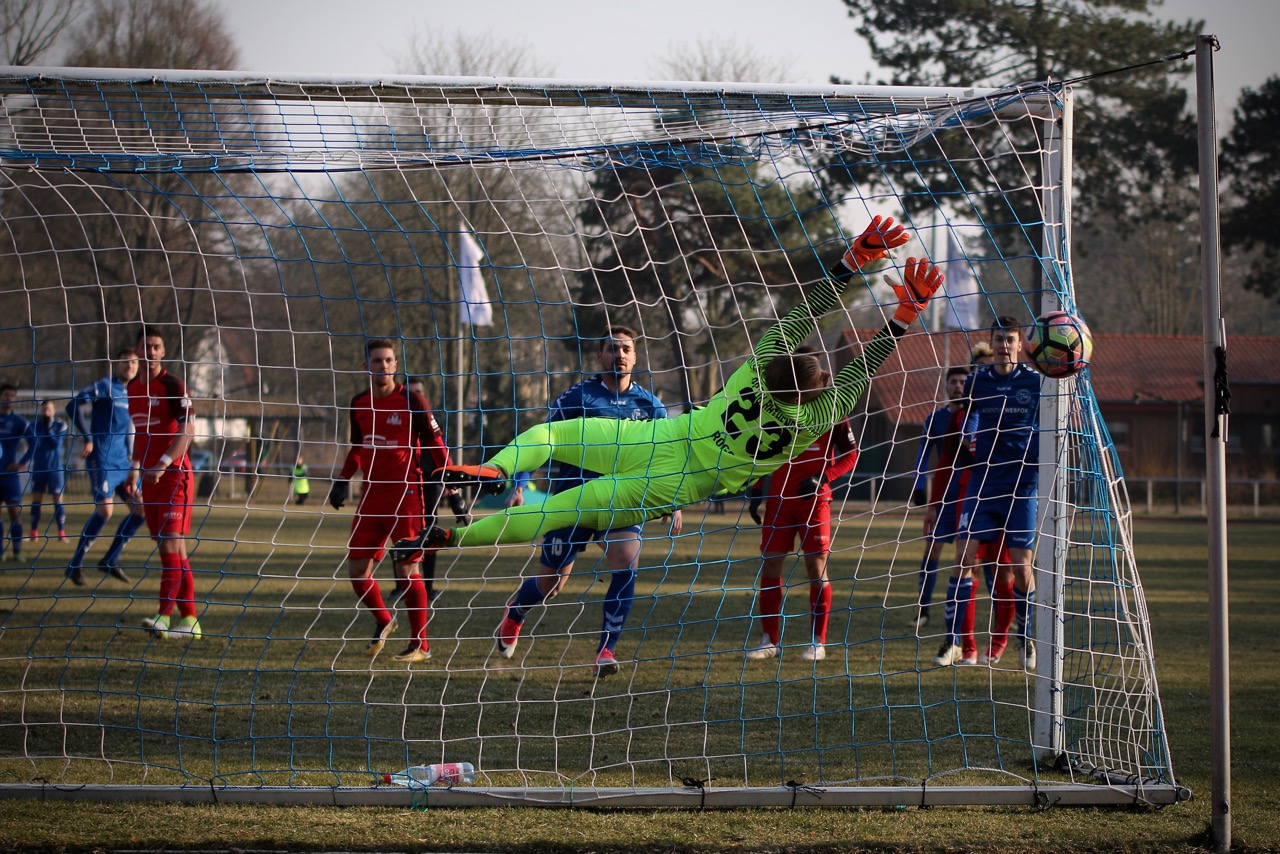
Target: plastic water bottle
[{"x": 428, "y": 775}]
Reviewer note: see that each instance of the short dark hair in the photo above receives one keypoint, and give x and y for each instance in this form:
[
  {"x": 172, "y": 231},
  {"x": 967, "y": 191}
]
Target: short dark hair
[
  {"x": 378, "y": 344},
  {"x": 957, "y": 370},
  {"x": 1004, "y": 321},
  {"x": 788, "y": 376},
  {"x": 150, "y": 331},
  {"x": 611, "y": 332},
  {"x": 7, "y": 387},
  {"x": 126, "y": 352}
]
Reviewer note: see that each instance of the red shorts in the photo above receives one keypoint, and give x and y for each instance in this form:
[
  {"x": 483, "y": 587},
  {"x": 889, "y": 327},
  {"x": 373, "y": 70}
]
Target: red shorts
[
  {"x": 384, "y": 513},
  {"x": 166, "y": 504},
  {"x": 993, "y": 552},
  {"x": 787, "y": 518}
]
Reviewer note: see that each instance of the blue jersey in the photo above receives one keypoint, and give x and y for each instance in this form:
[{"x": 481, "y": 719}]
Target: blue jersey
[
  {"x": 591, "y": 398},
  {"x": 44, "y": 448},
  {"x": 109, "y": 424},
  {"x": 1006, "y": 433},
  {"x": 13, "y": 429}
]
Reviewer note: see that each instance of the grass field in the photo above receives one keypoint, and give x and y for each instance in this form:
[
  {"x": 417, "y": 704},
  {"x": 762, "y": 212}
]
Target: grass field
[{"x": 288, "y": 707}]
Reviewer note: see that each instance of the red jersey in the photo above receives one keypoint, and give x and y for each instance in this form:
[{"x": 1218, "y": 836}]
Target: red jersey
[
  {"x": 833, "y": 455},
  {"x": 388, "y": 434},
  {"x": 948, "y": 455},
  {"x": 159, "y": 409}
]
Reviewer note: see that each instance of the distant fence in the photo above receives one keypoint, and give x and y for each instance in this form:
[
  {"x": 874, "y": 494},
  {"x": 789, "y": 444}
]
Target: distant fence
[{"x": 1189, "y": 495}]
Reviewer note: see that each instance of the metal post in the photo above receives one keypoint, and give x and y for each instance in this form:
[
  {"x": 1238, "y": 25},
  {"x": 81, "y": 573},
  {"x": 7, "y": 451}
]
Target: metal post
[
  {"x": 1048, "y": 734},
  {"x": 1215, "y": 451}
]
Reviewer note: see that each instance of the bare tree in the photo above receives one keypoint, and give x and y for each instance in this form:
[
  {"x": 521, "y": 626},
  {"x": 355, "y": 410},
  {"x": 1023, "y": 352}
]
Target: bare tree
[
  {"x": 463, "y": 55},
  {"x": 29, "y": 28},
  {"x": 153, "y": 34},
  {"x": 724, "y": 61}
]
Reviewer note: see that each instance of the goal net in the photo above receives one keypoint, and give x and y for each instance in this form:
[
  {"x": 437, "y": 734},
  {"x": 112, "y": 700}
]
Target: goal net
[{"x": 492, "y": 230}]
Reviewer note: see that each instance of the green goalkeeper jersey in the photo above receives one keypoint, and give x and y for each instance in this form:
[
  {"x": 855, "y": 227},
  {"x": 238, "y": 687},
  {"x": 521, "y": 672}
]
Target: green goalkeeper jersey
[{"x": 744, "y": 433}]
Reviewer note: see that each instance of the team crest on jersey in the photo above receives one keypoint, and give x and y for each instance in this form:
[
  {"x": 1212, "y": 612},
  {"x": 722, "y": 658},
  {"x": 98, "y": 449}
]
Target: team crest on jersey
[
  {"x": 1023, "y": 397},
  {"x": 394, "y": 418}
]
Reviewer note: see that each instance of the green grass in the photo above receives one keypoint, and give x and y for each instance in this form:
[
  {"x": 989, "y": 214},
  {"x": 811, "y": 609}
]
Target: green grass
[{"x": 294, "y": 708}]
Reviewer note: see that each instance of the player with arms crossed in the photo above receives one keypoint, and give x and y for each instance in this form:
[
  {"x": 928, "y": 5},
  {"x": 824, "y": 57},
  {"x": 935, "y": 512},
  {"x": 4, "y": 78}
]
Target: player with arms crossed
[
  {"x": 163, "y": 423},
  {"x": 106, "y": 452},
  {"x": 609, "y": 394},
  {"x": 391, "y": 427},
  {"x": 48, "y": 470},
  {"x": 1004, "y": 401},
  {"x": 799, "y": 505},
  {"x": 14, "y": 429},
  {"x": 769, "y": 411}
]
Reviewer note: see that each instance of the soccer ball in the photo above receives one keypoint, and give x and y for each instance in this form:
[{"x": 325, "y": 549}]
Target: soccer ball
[{"x": 1059, "y": 344}]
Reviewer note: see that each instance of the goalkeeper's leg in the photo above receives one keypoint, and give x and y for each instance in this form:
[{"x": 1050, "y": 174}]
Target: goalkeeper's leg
[{"x": 601, "y": 504}]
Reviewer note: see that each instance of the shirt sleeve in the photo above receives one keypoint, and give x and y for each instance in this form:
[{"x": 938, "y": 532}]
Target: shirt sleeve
[
  {"x": 844, "y": 446},
  {"x": 356, "y": 440},
  {"x": 76, "y": 414},
  {"x": 427, "y": 432},
  {"x": 28, "y": 434}
]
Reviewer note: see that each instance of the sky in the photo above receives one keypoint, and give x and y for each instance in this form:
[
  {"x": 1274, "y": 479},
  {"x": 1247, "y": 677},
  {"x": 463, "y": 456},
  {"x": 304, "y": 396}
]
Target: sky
[{"x": 599, "y": 40}]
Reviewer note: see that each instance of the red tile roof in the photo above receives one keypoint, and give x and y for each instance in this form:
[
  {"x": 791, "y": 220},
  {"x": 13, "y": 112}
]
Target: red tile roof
[{"x": 1125, "y": 369}]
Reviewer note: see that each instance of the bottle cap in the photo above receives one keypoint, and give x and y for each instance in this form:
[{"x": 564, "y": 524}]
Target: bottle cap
[{"x": 386, "y": 778}]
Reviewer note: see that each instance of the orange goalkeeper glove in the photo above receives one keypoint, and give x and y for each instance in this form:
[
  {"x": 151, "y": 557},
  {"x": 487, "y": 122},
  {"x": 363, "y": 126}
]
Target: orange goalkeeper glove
[
  {"x": 875, "y": 242},
  {"x": 922, "y": 281}
]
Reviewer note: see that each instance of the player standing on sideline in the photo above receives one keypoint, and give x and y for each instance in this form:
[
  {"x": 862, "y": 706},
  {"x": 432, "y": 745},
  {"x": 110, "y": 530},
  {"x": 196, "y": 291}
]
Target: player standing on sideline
[
  {"x": 13, "y": 429},
  {"x": 799, "y": 504},
  {"x": 106, "y": 454},
  {"x": 391, "y": 427},
  {"x": 1004, "y": 398},
  {"x": 299, "y": 481},
  {"x": 163, "y": 423},
  {"x": 609, "y": 394},
  {"x": 943, "y": 433},
  {"x": 772, "y": 408},
  {"x": 48, "y": 469}
]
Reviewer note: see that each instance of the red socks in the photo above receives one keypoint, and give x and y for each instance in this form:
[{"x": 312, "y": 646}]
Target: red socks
[{"x": 771, "y": 608}]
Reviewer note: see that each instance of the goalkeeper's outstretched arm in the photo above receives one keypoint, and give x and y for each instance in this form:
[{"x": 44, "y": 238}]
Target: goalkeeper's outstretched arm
[
  {"x": 920, "y": 281},
  {"x": 874, "y": 243}
]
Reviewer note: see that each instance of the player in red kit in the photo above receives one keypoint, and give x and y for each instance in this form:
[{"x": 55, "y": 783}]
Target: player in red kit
[
  {"x": 391, "y": 427},
  {"x": 163, "y": 423},
  {"x": 799, "y": 505}
]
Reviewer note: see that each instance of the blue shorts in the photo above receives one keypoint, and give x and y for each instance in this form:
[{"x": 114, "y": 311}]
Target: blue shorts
[
  {"x": 103, "y": 482},
  {"x": 562, "y": 546},
  {"x": 945, "y": 529},
  {"x": 52, "y": 482},
  {"x": 11, "y": 487},
  {"x": 986, "y": 517}
]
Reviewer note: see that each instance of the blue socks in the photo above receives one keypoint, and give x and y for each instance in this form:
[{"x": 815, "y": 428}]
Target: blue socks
[
  {"x": 92, "y": 527},
  {"x": 928, "y": 578},
  {"x": 959, "y": 591},
  {"x": 617, "y": 607},
  {"x": 1022, "y": 602},
  {"x": 528, "y": 595},
  {"x": 127, "y": 529}
]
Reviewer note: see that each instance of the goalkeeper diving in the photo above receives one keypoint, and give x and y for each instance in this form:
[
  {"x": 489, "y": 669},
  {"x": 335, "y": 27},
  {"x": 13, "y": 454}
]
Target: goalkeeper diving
[{"x": 772, "y": 408}]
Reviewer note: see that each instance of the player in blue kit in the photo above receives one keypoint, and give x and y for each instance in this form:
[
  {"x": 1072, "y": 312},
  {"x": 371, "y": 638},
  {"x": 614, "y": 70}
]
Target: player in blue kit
[
  {"x": 48, "y": 470},
  {"x": 107, "y": 447},
  {"x": 1001, "y": 498},
  {"x": 14, "y": 429},
  {"x": 942, "y": 435},
  {"x": 609, "y": 394}
]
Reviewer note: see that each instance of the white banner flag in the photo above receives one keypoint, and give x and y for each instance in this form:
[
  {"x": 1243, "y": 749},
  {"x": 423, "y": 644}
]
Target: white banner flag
[
  {"x": 962, "y": 289},
  {"x": 474, "y": 308}
]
